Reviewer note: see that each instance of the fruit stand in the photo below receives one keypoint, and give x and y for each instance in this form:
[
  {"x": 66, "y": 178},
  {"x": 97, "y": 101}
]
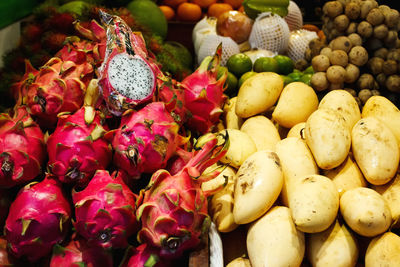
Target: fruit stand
[{"x": 200, "y": 133}]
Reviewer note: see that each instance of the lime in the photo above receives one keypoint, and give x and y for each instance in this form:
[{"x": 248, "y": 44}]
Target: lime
[
  {"x": 148, "y": 14},
  {"x": 295, "y": 76},
  {"x": 265, "y": 64},
  {"x": 245, "y": 77},
  {"x": 306, "y": 78},
  {"x": 231, "y": 85},
  {"x": 285, "y": 64},
  {"x": 239, "y": 64},
  {"x": 286, "y": 80},
  {"x": 309, "y": 70}
]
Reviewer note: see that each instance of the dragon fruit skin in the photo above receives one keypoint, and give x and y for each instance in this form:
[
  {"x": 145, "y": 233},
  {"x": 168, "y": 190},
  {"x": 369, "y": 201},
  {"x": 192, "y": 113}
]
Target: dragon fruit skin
[
  {"x": 145, "y": 140},
  {"x": 38, "y": 219},
  {"x": 173, "y": 209},
  {"x": 22, "y": 148},
  {"x": 105, "y": 211},
  {"x": 172, "y": 93},
  {"x": 77, "y": 147},
  {"x": 204, "y": 96},
  {"x": 143, "y": 256},
  {"x": 19, "y": 89},
  {"x": 77, "y": 253},
  {"x": 58, "y": 87},
  {"x": 128, "y": 75}
]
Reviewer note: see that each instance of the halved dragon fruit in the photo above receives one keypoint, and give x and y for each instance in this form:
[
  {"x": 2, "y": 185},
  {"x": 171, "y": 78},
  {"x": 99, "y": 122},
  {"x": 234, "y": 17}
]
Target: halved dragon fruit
[
  {"x": 128, "y": 75},
  {"x": 173, "y": 209},
  {"x": 38, "y": 219}
]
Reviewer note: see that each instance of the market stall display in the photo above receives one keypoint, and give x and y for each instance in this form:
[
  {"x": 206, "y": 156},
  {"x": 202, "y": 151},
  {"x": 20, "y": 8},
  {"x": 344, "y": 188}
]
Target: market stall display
[{"x": 269, "y": 140}]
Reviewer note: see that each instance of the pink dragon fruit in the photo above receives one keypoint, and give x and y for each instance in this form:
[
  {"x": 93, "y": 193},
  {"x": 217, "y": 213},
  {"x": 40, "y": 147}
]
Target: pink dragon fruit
[
  {"x": 105, "y": 211},
  {"x": 172, "y": 93},
  {"x": 22, "y": 149},
  {"x": 38, "y": 219},
  {"x": 145, "y": 140},
  {"x": 143, "y": 256},
  {"x": 128, "y": 75},
  {"x": 204, "y": 96},
  {"x": 94, "y": 31},
  {"x": 77, "y": 253},
  {"x": 92, "y": 50},
  {"x": 173, "y": 209},
  {"x": 77, "y": 147},
  {"x": 58, "y": 87},
  {"x": 19, "y": 89}
]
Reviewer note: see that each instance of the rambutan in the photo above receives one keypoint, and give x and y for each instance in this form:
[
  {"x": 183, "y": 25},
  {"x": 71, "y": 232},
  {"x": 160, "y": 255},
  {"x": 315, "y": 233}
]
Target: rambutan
[
  {"x": 53, "y": 41},
  {"x": 31, "y": 32},
  {"x": 61, "y": 23}
]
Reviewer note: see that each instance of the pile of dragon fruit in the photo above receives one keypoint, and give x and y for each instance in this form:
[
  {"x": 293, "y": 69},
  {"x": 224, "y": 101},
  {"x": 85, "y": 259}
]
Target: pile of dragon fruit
[{"x": 89, "y": 130}]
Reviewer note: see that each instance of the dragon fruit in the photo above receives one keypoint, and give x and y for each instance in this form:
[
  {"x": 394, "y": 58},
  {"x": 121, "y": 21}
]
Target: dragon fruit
[
  {"x": 58, "y": 87},
  {"x": 38, "y": 219},
  {"x": 22, "y": 149},
  {"x": 77, "y": 253},
  {"x": 143, "y": 256},
  {"x": 94, "y": 31},
  {"x": 172, "y": 93},
  {"x": 145, "y": 140},
  {"x": 128, "y": 75},
  {"x": 77, "y": 147},
  {"x": 173, "y": 209},
  {"x": 204, "y": 96},
  {"x": 20, "y": 89},
  {"x": 95, "y": 49},
  {"x": 105, "y": 211}
]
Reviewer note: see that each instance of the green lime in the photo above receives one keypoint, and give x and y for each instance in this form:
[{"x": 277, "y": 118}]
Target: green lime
[
  {"x": 148, "y": 14},
  {"x": 306, "y": 78},
  {"x": 265, "y": 64},
  {"x": 309, "y": 70},
  {"x": 285, "y": 64},
  {"x": 245, "y": 77},
  {"x": 286, "y": 80},
  {"x": 231, "y": 85},
  {"x": 296, "y": 71},
  {"x": 295, "y": 76},
  {"x": 239, "y": 64}
]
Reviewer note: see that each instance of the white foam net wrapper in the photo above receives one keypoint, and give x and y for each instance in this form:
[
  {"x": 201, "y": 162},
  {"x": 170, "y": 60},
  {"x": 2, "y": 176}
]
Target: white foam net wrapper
[
  {"x": 298, "y": 43},
  {"x": 206, "y": 26},
  {"x": 210, "y": 44},
  {"x": 294, "y": 17},
  {"x": 255, "y": 54},
  {"x": 270, "y": 32}
]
